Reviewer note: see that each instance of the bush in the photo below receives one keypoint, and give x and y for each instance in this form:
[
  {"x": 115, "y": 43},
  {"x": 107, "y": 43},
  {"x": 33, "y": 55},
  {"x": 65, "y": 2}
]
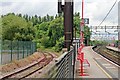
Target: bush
[
  {"x": 37, "y": 41},
  {"x": 45, "y": 42},
  {"x": 59, "y": 44}
]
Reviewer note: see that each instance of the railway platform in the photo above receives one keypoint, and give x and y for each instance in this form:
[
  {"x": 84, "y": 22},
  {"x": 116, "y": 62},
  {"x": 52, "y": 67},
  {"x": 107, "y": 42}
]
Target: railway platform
[
  {"x": 100, "y": 67},
  {"x": 113, "y": 48}
]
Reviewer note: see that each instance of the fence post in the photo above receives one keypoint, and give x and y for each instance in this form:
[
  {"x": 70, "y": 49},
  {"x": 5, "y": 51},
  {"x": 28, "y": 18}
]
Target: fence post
[
  {"x": 66, "y": 68},
  {"x": 27, "y": 47},
  {"x": 23, "y": 48},
  {"x": 35, "y": 46},
  {"x": 0, "y": 52},
  {"x": 11, "y": 50},
  {"x": 18, "y": 50},
  {"x": 30, "y": 47},
  {"x": 74, "y": 59}
]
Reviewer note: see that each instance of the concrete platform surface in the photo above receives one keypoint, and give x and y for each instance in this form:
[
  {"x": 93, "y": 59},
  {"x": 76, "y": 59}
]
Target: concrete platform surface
[
  {"x": 113, "y": 48},
  {"x": 99, "y": 66}
]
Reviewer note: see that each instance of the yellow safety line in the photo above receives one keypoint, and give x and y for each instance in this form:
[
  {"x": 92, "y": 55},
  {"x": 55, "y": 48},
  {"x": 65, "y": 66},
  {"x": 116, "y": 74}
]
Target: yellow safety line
[{"x": 103, "y": 70}]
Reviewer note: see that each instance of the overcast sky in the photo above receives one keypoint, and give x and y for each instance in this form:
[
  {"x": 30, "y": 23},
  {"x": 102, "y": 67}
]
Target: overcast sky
[{"x": 95, "y": 10}]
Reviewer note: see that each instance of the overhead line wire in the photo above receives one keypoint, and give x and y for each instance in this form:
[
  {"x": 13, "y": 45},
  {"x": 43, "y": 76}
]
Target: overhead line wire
[{"x": 108, "y": 13}]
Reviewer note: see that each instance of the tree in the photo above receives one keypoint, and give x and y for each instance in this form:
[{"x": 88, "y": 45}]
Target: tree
[
  {"x": 56, "y": 16},
  {"x": 26, "y": 17},
  {"x": 87, "y": 32},
  {"x": 17, "y": 28},
  {"x": 36, "y": 19},
  {"x": 48, "y": 17},
  {"x": 87, "y": 35},
  {"x": 51, "y": 18},
  {"x": 29, "y": 18},
  {"x": 47, "y": 31},
  {"x": 41, "y": 29},
  {"x": 44, "y": 19},
  {"x": 45, "y": 41},
  {"x": 77, "y": 24},
  {"x": 77, "y": 14},
  {"x": 20, "y": 15},
  {"x": 39, "y": 20},
  {"x": 33, "y": 20},
  {"x": 59, "y": 44},
  {"x": 55, "y": 30}
]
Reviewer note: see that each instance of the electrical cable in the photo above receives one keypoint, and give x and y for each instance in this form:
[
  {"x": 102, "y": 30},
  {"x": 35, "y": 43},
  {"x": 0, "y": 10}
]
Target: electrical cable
[{"x": 108, "y": 13}]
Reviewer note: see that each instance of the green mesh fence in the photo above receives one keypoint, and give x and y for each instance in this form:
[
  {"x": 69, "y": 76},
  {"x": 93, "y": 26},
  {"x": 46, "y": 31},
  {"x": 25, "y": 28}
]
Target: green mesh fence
[{"x": 15, "y": 50}]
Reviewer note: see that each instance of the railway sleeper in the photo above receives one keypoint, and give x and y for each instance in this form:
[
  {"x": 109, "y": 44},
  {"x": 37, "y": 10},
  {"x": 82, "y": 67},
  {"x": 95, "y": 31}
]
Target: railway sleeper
[
  {"x": 110, "y": 56},
  {"x": 27, "y": 66},
  {"x": 25, "y": 73}
]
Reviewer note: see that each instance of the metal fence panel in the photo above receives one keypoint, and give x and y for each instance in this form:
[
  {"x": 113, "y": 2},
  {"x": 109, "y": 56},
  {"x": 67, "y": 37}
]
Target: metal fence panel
[
  {"x": 0, "y": 51},
  {"x": 15, "y": 50},
  {"x": 64, "y": 66}
]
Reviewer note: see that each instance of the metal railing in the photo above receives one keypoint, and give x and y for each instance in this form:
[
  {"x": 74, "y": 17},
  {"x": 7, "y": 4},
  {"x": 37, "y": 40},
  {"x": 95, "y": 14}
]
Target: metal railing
[
  {"x": 15, "y": 50},
  {"x": 62, "y": 67},
  {"x": 65, "y": 66},
  {"x": 76, "y": 42}
]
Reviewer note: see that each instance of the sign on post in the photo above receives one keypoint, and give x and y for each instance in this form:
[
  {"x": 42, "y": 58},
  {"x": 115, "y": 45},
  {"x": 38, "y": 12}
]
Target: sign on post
[{"x": 86, "y": 20}]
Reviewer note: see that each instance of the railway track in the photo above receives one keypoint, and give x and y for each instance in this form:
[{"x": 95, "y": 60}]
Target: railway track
[
  {"x": 35, "y": 66},
  {"x": 109, "y": 54}
]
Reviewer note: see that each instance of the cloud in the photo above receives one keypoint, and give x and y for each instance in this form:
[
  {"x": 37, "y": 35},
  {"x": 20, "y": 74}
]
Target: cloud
[
  {"x": 30, "y": 8},
  {"x": 5, "y": 4},
  {"x": 95, "y": 10}
]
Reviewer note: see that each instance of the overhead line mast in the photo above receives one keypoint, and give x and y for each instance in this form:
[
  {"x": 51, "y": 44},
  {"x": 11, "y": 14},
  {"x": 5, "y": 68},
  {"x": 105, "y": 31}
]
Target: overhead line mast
[
  {"x": 80, "y": 53},
  {"x": 82, "y": 26}
]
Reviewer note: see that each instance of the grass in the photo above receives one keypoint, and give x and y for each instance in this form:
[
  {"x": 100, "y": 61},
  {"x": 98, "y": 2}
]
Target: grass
[{"x": 49, "y": 50}]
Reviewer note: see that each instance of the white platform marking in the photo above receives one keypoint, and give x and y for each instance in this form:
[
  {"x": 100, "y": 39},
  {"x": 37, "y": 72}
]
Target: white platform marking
[
  {"x": 110, "y": 67},
  {"x": 97, "y": 58},
  {"x": 106, "y": 64}
]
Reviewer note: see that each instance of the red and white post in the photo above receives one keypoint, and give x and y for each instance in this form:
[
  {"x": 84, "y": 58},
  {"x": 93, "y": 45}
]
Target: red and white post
[{"x": 80, "y": 53}]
